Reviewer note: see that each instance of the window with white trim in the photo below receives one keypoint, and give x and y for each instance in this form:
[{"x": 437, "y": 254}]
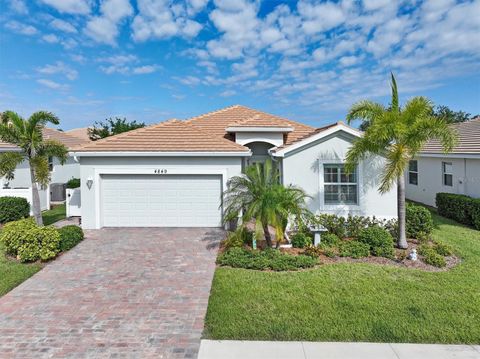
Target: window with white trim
[
  {"x": 340, "y": 187},
  {"x": 413, "y": 172},
  {"x": 50, "y": 163},
  {"x": 447, "y": 174}
]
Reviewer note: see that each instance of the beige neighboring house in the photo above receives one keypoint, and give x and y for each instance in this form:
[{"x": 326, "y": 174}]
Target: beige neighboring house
[
  {"x": 172, "y": 174},
  {"x": 81, "y": 133},
  {"x": 456, "y": 172}
]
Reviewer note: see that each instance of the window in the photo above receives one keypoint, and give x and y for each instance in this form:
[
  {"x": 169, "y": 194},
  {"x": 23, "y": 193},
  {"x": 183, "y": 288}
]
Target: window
[
  {"x": 50, "y": 163},
  {"x": 413, "y": 172},
  {"x": 339, "y": 186},
  {"x": 447, "y": 171}
]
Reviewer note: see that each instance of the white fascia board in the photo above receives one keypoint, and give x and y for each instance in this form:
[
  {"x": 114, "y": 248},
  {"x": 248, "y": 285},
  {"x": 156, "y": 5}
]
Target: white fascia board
[
  {"x": 160, "y": 154},
  {"x": 449, "y": 155},
  {"x": 259, "y": 129},
  {"x": 318, "y": 136}
]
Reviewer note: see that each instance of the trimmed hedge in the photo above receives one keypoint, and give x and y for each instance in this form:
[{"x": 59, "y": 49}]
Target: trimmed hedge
[
  {"x": 379, "y": 241},
  {"x": 300, "y": 240},
  {"x": 70, "y": 236},
  {"x": 419, "y": 221},
  {"x": 30, "y": 242},
  {"x": 353, "y": 249},
  {"x": 461, "y": 208},
  {"x": 13, "y": 209}
]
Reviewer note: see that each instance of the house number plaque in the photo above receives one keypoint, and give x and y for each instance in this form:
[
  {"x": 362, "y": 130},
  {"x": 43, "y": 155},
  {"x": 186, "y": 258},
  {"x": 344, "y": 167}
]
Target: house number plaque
[{"x": 161, "y": 171}]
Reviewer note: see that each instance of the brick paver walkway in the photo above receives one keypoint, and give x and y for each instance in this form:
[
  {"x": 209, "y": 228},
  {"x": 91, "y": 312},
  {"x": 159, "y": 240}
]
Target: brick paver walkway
[{"x": 121, "y": 293}]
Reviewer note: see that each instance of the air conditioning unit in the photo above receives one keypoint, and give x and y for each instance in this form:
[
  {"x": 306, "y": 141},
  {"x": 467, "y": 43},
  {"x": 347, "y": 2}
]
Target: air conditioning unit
[{"x": 57, "y": 192}]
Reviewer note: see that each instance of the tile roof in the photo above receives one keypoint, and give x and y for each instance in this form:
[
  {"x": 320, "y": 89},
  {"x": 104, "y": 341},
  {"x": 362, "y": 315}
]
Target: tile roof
[
  {"x": 217, "y": 121},
  {"x": 168, "y": 136},
  {"x": 80, "y": 133},
  {"x": 68, "y": 140},
  {"x": 468, "y": 139},
  {"x": 314, "y": 132}
]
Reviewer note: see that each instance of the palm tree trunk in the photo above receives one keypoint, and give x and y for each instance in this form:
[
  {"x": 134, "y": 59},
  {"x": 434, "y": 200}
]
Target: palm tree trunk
[
  {"x": 402, "y": 238},
  {"x": 267, "y": 235},
  {"x": 37, "y": 214}
]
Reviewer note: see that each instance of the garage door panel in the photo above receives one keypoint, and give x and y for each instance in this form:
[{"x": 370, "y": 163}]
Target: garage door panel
[{"x": 166, "y": 201}]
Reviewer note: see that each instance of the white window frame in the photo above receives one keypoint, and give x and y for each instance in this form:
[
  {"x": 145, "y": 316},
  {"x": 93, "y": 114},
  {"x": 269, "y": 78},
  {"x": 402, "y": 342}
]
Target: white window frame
[
  {"x": 410, "y": 172},
  {"x": 338, "y": 167},
  {"x": 445, "y": 173}
]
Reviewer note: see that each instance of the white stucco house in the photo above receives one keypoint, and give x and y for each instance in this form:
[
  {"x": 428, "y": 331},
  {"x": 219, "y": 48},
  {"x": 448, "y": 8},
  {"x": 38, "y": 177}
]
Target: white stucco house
[
  {"x": 433, "y": 171},
  {"x": 173, "y": 174},
  {"x": 20, "y": 185}
]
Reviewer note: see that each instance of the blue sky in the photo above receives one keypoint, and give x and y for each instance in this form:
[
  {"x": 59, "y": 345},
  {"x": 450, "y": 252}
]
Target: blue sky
[{"x": 150, "y": 60}]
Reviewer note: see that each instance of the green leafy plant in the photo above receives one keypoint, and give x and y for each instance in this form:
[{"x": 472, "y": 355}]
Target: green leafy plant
[
  {"x": 423, "y": 237},
  {"x": 30, "y": 242},
  {"x": 70, "y": 236},
  {"x": 433, "y": 258},
  {"x": 313, "y": 251},
  {"x": 443, "y": 249},
  {"x": 27, "y": 135},
  {"x": 329, "y": 239},
  {"x": 379, "y": 241},
  {"x": 73, "y": 183},
  {"x": 300, "y": 240},
  {"x": 353, "y": 249},
  {"x": 396, "y": 133},
  {"x": 419, "y": 220},
  {"x": 461, "y": 208},
  {"x": 13, "y": 209},
  {"x": 267, "y": 259},
  {"x": 111, "y": 127},
  {"x": 240, "y": 237},
  {"x": 334, "y": 224}
]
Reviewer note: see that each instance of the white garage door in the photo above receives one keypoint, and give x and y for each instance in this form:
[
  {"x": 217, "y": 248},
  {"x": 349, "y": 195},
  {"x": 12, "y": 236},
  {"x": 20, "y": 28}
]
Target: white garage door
[{"x": 161, "y": 201}]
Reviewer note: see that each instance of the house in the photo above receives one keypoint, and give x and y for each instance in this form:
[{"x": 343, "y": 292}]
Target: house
[
  {"x": 81, "y": 133},
  {"x": 59, "y": 173},
  {"x": 173, "y": 173},
  {"x": 458, "y": 171}
]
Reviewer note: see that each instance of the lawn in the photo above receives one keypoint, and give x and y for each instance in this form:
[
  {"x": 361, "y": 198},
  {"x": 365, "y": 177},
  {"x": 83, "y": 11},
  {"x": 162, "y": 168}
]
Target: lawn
[
  {"x": 354, "y": 302},
  {"x": 53, "y": 215},
  {"x": 12, "y": 273}
]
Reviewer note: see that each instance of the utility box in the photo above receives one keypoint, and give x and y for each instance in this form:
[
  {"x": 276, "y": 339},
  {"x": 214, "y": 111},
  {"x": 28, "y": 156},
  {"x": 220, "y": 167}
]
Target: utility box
[{"x": 57, "y": 192}]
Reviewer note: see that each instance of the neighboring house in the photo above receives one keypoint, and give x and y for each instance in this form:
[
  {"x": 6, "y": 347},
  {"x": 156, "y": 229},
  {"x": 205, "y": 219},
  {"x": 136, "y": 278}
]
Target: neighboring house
[
  {"x": 173, "y": 173},
  {"x": 59, "y": 173},
  {"x": 433, "y": 171},
  {"x": 81, "y": 133}
]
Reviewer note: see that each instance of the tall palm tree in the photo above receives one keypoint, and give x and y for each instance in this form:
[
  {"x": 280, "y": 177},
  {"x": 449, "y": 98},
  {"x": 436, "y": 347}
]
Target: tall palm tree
[
  {"x": 27, "y": 136},
  {"x": 397, "y": 133},
  {"x": 258, "y": 195}
]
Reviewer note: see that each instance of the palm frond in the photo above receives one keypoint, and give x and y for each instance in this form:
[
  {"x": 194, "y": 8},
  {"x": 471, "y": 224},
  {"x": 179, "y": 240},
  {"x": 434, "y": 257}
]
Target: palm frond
[
  {"x": 41, "y": 118},
  {"x": 394, "y": 105},
  {"x": 53, "y": 148},
  {"x": 396, "y": 163},
  {"x": 8, "y": 163},
  {"x": 39, "y": 164},
  {"x": 366, "y": 111}
]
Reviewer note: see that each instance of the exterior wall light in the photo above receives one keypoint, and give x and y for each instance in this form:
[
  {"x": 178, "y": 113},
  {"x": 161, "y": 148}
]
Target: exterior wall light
[{"x": 89, "y": 182}]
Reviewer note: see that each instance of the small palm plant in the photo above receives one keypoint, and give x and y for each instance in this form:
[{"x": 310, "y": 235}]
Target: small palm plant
[
  {"x": 258, "y": 195},
  {"x": 397, "y": 133},
  {"x": 27, "y": 136}
]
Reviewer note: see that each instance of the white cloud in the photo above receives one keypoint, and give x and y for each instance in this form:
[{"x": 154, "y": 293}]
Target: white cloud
[
  {"x": 376, "y": 4},
  {"x": 228, "y": 93},
  {"x": 63, "y": 26},
  {"x": 105, "y": 28},
  {"x": 20, "y": 28},
  {"x": 52, "y": 84},
  {"x": 194, "y": 6},
  {"x": 19, "y": 7},
  {"x": 58, "y": 68},
  {"x": 70, "y": 6},
  {"x": 50, "y": 38},
  {"x": 146, "y": 69},
  {"x": 320, "y": 17}
]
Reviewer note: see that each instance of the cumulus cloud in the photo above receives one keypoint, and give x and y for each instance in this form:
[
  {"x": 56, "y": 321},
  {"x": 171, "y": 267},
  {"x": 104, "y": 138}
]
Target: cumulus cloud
[
  {"x": 63, "y": 25},
  {"x": 18, "y": 6},
  {"x": 52, "y": 84},
  {"x": 58, "y": 68},
  {"x": 21, "y": 28},
  {"x": 81, "y": 7},
  {"x": 50, "y": 38},
  {"x": 146, "y": 69}
]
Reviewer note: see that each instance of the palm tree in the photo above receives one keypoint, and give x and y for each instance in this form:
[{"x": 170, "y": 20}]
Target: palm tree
[
  {"x": 258, "y": 195},
  {"x": 27, "y": 136},
  {"x": 397, "y": 133}
]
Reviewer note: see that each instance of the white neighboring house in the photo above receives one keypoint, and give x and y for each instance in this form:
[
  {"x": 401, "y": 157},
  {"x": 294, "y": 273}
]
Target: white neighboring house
[
  {"x": 433, "y": 171},
  {"x": 20, "y": 185},
  {"x": 173, "y": 174}
]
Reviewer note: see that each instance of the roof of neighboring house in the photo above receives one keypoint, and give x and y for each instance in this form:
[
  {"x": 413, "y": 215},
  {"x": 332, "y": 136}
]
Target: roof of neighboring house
[
  {"x": 169, "y": 136},
  {"x": 68, "y": 140},
  {"x": 80, "y": 133},
  {"x": 468, "y": 139},
  {"x": 236, "y": 116}
]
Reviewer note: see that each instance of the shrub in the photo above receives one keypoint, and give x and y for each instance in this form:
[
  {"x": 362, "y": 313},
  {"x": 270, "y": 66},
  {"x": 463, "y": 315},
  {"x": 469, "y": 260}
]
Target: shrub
[
  {"x": 379, "y": 241},
  {"x": 267, "y": 259},
  {"x": 461, "y": 208},
  {"x": 330, "y": 252},
  {"x": 300, "y": 240},
  {"x": 431, "y": 255},
  {"x": 73, "y": 183},
  {"x": 329, "y": 240},
  {"x": 238, "y": 238},
  {"x": 70, "y": 236},
  {"x": 13, "y": 209},
  {"x": 313, "y": 251},
  {"x": 443, "y": 249},
  {"x": 423, "y": 237},
  {"x": 418, "y": 220},
  {"x": 29, "y": 242},
  {"x": 353, "y": 249},
  {"x": 334, "y": 224}
]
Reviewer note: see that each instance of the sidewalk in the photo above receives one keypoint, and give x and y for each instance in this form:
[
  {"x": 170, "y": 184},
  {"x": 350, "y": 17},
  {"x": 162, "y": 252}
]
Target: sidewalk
[{"x": 231, "y": 349}]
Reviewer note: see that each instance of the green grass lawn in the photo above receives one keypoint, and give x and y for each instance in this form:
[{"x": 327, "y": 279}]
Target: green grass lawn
[
  {"x": 354, "y": 302},
  {"x": 12, "y": 273},
  {"x": 53, "y": 215}
]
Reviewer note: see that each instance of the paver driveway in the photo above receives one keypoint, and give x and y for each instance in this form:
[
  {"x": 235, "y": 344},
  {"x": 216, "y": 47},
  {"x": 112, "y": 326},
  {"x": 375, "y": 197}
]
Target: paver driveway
[{"x": 121, "y": 293}]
